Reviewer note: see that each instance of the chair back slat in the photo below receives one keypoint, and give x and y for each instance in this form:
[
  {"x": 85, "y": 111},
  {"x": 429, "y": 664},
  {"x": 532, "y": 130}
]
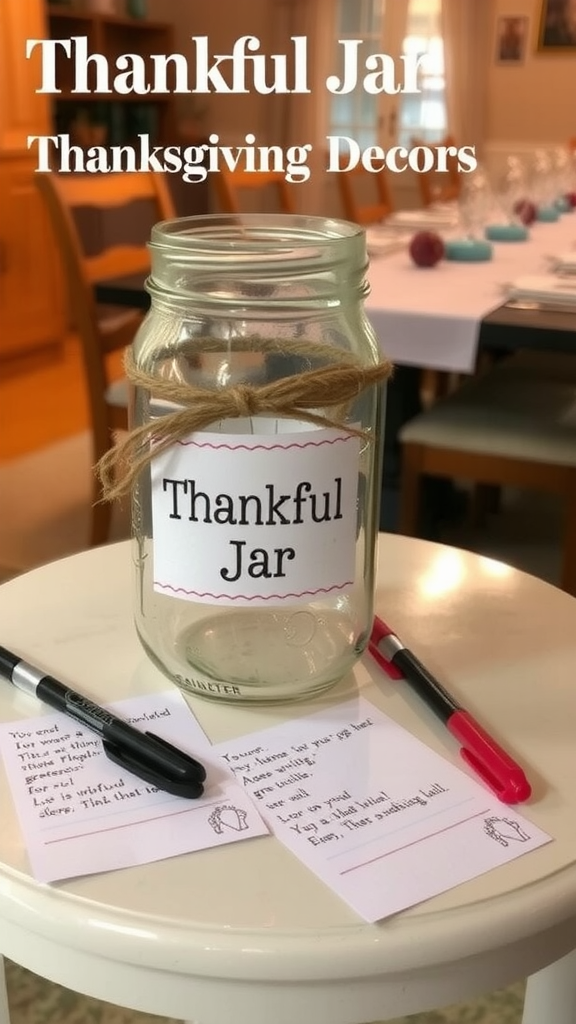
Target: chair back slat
[
  {"x": 66, "y": 197},
  {"x": 229, "y": 186},
  {"x": 106, "y": 191},
  {"x": 437, "y": 186},
  {"x": 118, "y": 261},
  {"x": 353, "y": 185}
]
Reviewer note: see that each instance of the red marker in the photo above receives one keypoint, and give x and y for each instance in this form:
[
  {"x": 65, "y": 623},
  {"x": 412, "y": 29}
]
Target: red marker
[{"x": 494, "y": 766}]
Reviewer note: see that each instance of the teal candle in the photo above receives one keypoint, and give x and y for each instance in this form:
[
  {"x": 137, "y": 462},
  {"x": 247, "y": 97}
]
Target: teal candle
[
  {"x": 547, "y": 214},
  {"x": 563, "y": 205},
  {"x": 506, "y": 232},
  {"x": 467, "y": 250}
]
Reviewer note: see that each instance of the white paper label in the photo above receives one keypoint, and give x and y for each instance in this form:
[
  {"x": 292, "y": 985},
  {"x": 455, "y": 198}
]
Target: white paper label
[{"x": 247, "y": 519}]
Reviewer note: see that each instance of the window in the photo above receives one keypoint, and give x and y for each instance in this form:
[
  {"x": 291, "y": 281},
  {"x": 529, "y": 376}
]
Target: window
[
  {"x": 395, "y": 27},
  {"x": 423, "y": 114},
  {"x": 356, "y": 113}
]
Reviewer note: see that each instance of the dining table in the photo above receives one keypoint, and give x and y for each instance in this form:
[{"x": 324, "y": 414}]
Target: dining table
[
  {"x": 441, "y": 318},
  {"x": 444, "y": 317}
]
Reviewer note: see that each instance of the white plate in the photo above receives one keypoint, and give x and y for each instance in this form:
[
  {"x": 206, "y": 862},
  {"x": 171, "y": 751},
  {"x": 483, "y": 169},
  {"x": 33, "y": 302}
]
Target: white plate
[{"x": 381, "y": 241}]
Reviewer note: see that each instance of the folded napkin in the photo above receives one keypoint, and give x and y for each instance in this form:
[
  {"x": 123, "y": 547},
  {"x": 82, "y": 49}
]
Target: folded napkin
[
  {"x": 544, "y": 288},
  {"x": 450, "y": 207},
  {"x": 380, "y": 240},
  {"x": 423, "y": 220}
]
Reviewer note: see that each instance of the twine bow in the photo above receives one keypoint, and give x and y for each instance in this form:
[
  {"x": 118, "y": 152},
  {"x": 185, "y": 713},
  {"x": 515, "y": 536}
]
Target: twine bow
[{"x": 292, "y": 397}]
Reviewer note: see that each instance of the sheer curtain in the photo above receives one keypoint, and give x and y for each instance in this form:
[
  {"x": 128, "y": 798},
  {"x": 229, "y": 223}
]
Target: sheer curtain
[
  {"x": 301, "y": 118},
  {"x": 466, "y": 31}
]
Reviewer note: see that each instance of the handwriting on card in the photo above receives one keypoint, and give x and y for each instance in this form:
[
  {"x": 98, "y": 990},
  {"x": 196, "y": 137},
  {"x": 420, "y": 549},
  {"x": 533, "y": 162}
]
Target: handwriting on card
[
  {"x": 282, "y": 783},
  {"x": 52, "y": 761},
  {"x": 80, "y": 813},
  {"x": 368, "y": 806}
]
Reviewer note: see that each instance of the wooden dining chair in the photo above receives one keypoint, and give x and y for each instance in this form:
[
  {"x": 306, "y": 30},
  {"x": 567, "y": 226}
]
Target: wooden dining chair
[
  {"x": 365, "y": 196},
  {"x": 439, "y": 186},
  {"x": 514, "y": 425},
  {"x": 73, "y": 199},
  {"x": 229, "y": 187}
]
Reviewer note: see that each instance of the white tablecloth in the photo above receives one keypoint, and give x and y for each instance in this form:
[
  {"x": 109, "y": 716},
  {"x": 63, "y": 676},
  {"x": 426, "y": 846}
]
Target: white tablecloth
[{"x": 430, "y": 317}]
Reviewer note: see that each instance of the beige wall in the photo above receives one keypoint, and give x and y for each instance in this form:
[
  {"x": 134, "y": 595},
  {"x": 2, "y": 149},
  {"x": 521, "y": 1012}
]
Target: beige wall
[
  {"x": 527, "y": 104},
  {"x": 533, "y": 102}
]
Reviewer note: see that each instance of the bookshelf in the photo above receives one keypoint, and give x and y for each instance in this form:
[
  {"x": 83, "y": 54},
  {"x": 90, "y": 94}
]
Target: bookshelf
[
  {"x": 117, "y": 120},
  {"x": 94, "y": 119}
]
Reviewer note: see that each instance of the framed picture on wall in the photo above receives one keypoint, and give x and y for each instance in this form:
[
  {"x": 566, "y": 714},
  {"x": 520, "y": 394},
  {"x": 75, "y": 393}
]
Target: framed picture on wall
[
  {"x": 511, "y": 39},
  {"x": 557, "y": 32}
]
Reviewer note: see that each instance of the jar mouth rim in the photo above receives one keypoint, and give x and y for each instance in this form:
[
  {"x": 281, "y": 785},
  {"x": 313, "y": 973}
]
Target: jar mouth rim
[{"x": 252, "y": 233}]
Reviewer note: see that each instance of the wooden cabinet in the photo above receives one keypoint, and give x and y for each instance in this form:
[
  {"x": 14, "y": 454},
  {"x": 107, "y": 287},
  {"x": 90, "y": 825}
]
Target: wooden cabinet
[
  {"x": 22, "y": 111},
  {"x": 31, "y": 292},
  {"x": 31, "y": 305}
]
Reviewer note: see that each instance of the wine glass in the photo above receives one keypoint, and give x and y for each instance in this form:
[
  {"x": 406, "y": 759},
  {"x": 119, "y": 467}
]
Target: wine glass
[
  {"x": 475, "y": 203},
  {"x": 512, "y": 208},
  {"x": 562, "y": 175},
  {"x": 543, "y": 186}
]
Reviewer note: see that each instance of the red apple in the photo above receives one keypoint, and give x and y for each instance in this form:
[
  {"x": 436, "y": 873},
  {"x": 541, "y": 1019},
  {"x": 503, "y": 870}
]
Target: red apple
[
  {"x": 426, "y": 248},
  {"x": 526, "y": 211},
  {"x": 571, "y": 198}
]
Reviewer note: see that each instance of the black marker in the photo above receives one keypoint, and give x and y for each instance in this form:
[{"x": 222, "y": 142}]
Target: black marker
[{"x": 145, "y": 755}]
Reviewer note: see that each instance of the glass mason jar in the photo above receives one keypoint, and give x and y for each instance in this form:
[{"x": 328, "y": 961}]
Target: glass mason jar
[{"x": 254, "y": 537}]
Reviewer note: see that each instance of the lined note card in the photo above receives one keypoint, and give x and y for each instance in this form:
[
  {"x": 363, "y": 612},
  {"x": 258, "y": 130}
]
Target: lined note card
[
  {"x": 375, "y": 813},
  {"x": 80, "y": 813}
]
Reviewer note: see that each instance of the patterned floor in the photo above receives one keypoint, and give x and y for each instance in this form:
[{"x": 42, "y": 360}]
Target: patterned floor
[{"x": 34, "y": 1001}]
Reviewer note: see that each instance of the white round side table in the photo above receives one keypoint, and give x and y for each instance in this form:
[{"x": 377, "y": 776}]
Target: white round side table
[{"x": 245, "y": 934}]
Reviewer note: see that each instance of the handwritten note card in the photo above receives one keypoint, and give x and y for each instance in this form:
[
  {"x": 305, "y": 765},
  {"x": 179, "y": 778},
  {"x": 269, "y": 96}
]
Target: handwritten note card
[
  {"x": 380, "y": 817},
  {"x": 80, "y": 813}
]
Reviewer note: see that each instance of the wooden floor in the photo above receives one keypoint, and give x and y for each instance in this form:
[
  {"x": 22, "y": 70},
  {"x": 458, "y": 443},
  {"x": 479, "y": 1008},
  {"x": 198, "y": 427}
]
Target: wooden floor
[{"x": 42, "y": 399}]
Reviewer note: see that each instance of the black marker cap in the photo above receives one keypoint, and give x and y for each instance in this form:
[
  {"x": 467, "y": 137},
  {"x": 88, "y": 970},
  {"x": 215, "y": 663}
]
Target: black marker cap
[{"x": 8, "y": 662}]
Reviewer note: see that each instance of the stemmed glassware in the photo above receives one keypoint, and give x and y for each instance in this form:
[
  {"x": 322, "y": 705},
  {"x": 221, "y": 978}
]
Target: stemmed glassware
[
  {"x": 563, "y": 174},
  {"x": 512, "y": 210},
  {"x": 475, "y": 204},
  {"x": 543, "y": 186}
]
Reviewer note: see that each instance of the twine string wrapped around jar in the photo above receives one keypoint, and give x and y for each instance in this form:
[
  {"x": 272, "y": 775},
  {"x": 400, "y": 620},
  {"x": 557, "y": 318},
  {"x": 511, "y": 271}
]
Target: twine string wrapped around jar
[{"x": 331, "y": 386}]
